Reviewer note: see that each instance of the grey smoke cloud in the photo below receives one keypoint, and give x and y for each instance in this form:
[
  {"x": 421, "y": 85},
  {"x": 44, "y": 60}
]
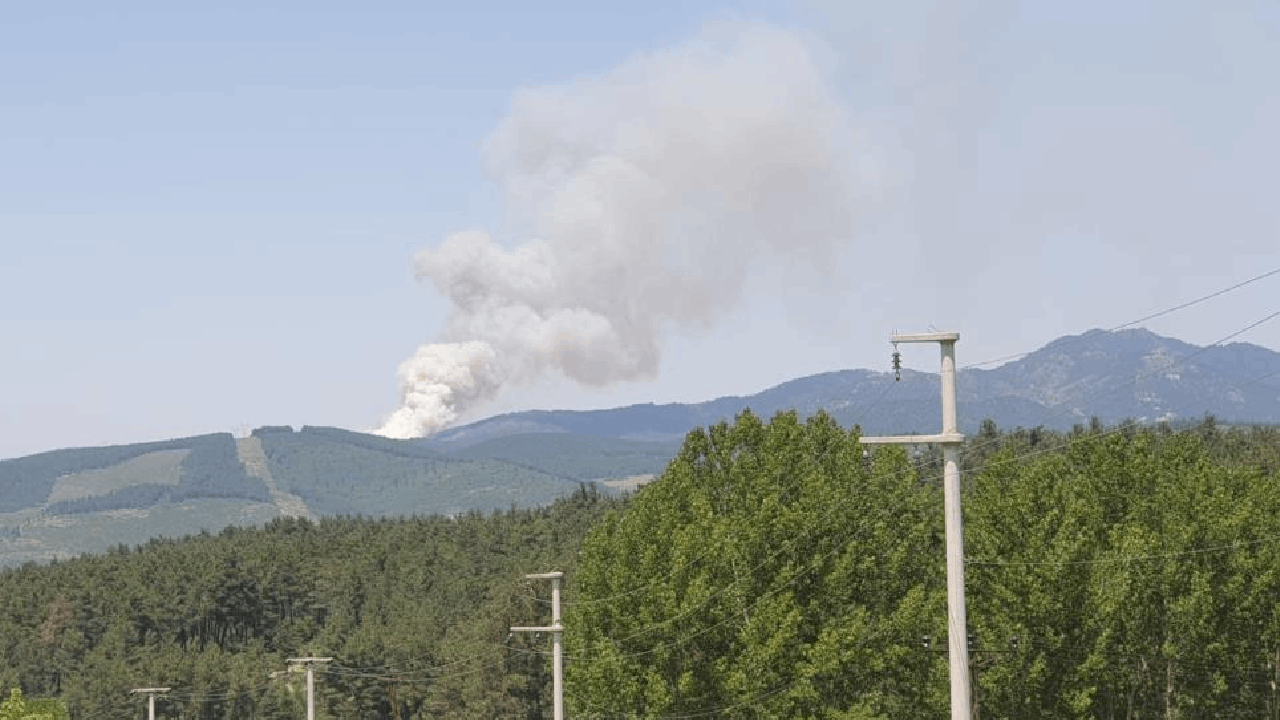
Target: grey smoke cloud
[{"x": 651, "y": 192}]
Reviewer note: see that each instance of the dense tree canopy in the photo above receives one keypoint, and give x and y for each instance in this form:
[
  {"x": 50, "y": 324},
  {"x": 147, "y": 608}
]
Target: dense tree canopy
[
  {"x": 1142, "y": 576},
  {"x": 772, "y": 571},
  {"x": 413, "y": 611},
  {"x": 27, "y": 481},
  {"x": 1123, "y": 573},
  {"x": 768, "y": 573}
]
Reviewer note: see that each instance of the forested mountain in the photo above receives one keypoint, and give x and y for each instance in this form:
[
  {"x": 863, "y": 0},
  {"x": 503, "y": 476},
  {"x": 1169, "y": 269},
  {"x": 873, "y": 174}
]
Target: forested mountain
[
  {"x": 1113, "y": 376},
  {"x": 204, "y": 466},
  {"x": 61, "y": 503},
  {"x": 67, "y": 502},
  {"x": 772, "y": 571}
]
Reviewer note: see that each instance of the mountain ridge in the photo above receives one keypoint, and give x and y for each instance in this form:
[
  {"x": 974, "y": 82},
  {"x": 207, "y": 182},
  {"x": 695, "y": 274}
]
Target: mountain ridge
[
  {"x": 1043, "y": 387},
  {"x": 64, "y": 502}
]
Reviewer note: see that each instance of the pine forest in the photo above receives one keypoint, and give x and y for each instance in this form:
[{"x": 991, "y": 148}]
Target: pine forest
[{"x": 774, "y": 570}]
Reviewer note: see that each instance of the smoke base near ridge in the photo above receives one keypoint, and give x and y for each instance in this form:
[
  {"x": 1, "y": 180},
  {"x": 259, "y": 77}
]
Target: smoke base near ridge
[{"x": 651, "y": 191}]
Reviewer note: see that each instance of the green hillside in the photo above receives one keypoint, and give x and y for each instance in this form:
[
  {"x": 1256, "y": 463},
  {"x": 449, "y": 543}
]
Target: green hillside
[
  {"x": 38, "y": 537},
  {"x": 61, "y": 504},
  {"x": 772, "y": 571},
  {"x": 162, "y": 467},
  {"x": 30, "y": 481},
  {"x": 576, "y": 457},
  {"x": 416, "y": 609},
  {"x": 340, "y": 473},
  {"x": 83, "y": 480}
]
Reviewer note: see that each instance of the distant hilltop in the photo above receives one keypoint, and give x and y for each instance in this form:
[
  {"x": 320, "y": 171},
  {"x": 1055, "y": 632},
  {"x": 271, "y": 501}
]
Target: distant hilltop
[
  {"x": 62, "y": 503},
  {"x": 1111, "y": 375}
]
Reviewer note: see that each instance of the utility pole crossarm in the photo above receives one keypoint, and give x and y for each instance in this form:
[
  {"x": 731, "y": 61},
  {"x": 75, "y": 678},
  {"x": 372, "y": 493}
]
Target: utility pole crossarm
[
  {"x": 940, "y": 439},
  {"x": 925, "y": 337},
  {"x": 151, "y": 699},
  {"x": 557, "y": 635},
  {"x": 311, "y": 680},
  {"x": 950, "y": 439}
]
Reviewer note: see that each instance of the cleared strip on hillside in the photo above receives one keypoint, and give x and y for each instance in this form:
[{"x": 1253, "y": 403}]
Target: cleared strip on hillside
[{"x": 163, "y": 467}]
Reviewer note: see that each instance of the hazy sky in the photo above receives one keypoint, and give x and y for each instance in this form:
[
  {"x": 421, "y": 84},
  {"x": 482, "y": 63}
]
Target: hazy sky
[{"x": 209, "y": 216}]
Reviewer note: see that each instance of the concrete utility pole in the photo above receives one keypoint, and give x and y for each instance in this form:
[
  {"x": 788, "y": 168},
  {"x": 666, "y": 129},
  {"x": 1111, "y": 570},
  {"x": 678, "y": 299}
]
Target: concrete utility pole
[
  {"x": 950, "y": 439},
  {"x": 310, "y": 662},
  {"x": 556, "y": 631},
  {"x": 151, "y": 699}
]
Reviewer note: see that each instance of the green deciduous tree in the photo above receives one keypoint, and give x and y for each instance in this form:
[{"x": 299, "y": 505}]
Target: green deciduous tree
[
  {"x": 17, "y": 707},
  {"x": 767, "y": 573},
  {"x": 1140, "y": 576}
]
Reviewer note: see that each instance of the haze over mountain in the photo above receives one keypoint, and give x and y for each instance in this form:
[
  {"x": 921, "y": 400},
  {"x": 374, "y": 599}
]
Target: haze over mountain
[
  {"x": 65, "y": 502},
  {"x": 1125, "y": 374}
]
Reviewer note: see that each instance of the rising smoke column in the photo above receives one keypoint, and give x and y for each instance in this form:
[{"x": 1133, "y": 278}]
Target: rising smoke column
[{"x": 650, "y": 191}]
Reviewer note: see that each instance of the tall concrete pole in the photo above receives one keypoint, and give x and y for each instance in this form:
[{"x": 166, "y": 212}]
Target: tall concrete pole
[
  {"x": 311, "y": 681},
  {"x": 957, "y": 630},
  {"x": 950, "y": 440},
  {"x": 557, "y": 655},
  {"x": 151, "y": 699},
  {"x": 557, "y": 632}
]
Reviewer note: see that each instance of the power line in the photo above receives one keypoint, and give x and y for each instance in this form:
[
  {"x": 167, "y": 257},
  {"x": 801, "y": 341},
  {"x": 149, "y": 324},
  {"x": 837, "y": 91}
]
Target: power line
[
  {"x": 811, "y": 565},
  {"x": 693, "y": 562},
  {"x": 428, "y": 679},
  {"x": 1198, "y": 300},
  {"x": 338, "y": 670},
  {"x": 657, "y": 582},
  {"x": 687, "y": 637},
  {"x": 772, "y": 557},
  {"x": 1021, "y": 456},
  {"x": 1152, "y": 316},
  {"x": 1127, "y": 559},
  {"x": 1162, "y": 369},
  {"x": 890, "y": 386},
  {"x": 600, "y": 711}
]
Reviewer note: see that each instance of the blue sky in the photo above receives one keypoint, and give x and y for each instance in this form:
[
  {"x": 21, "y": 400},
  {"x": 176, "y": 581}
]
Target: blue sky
[{"x": 209, "y": 216}]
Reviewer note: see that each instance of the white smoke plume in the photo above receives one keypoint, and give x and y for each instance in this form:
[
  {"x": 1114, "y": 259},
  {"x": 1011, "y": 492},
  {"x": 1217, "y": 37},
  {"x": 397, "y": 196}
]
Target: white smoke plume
[{"x": 651, "y": 191}]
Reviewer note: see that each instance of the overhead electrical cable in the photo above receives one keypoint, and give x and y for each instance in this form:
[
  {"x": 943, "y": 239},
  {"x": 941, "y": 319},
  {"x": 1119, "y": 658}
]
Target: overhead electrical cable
[
  {"x": 1180, "y": 361},
  {"x": 420, "y": 675},
  {"x": 1152, "y": 316},
  {"x": 657, "y": 582}
]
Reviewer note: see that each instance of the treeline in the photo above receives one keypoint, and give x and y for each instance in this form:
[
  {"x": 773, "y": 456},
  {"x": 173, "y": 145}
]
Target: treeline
[
  {"x": 337, "y": 472},
  {"x": 211, "y": 468},
  {"x": 414, "y": 611},
  {"x": 578, "y": 457},
  {"x": 776, "y": 571},
  {"x": 28, "y": 481}
]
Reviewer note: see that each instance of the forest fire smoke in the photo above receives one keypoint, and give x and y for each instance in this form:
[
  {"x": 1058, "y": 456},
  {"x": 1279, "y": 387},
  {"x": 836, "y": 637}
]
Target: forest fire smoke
[{"x": 651, "y": 191}]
